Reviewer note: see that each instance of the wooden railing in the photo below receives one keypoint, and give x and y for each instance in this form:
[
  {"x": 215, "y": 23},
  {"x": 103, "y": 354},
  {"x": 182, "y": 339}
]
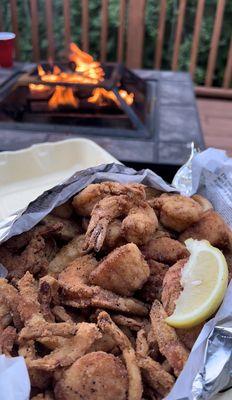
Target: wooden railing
[{"x": 130, "y": 39}]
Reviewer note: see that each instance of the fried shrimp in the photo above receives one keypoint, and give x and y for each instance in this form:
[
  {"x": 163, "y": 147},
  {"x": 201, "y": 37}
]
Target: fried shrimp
[
  {"x": 172, "y": 286},
  {"x": 210, "y": 227},
  {"x": 177, "y": 212},
  {"x": 139, "y": 224},
  {"x": 164, "y": 250},
  {"x": 7, "y": 340},
  {"x": 69, "y": 229},
  {"x": 83, "y": 296},
  {"x": 67, "y": 254},
  {"x": 159, "y": 379},
  {"x": 10, "y": 297},
  {"x": 91, "y": 286},
  {"x": 32, "y": 259},
  {"x": 152, "y": 289},
  {"x": 123, "y": 271},
  {"x": 135, "y": 388},
  {"x": 72, "y": 349},
  {"x": 169, "y": 343},
  {"x": 95, "y": 376},
  {"x": 85, "y": 201}
]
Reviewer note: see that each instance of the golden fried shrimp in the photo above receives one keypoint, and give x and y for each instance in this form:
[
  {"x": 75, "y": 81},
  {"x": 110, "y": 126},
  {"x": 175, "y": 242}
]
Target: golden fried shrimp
[
  {"x": 114, "y": 236},
  {"x": 104, "y": 212},
  {"x": 85, "y": 201},
  {"x": 19, "y": 242},
  {"x": 32, "y": 259},
  {"x": 73, "y": 348},
  {"x": 28, "y": 305},
  {"x": 210, "y": 227},
  {"x": 65, "y": 210},
  {"x": 169, "y": 343},
  {"x": 172, "y": 286},
  {"x": 152, "y": 289},
  {"x": 140, "y": 224},
  {"x": 38, "y": 378},
  {"x": 10, "y": 297},
  {"x": 7, "y": 339},
  {"x": 5, "y": 315},
  {"x": 95, "y": 376},
  {"x": 159, "y": 379},
  {"x": 105, "y": 343},
  {"x": 48, "y": 293},
  {"x": 37, "y": 327},
  {"x": 165, "y": 250},
  {"x": 67, "y": 254},
  {"x": 52, "y": 342},
  {"x": 61, "y": 314},
  {"x": 177, "y": 212},
  {"x": 135, "y": 387},
  {"x": 69, "y": 229},
  {"x": 123, "y": 271},
  {"x": 133, "y": 324},
  {"x": 204, "y": 203},
  {"x": 83, "y": 296}
]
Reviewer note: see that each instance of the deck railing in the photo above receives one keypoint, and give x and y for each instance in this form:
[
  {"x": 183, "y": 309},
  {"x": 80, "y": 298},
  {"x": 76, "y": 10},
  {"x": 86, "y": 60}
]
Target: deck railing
[{"x": 130, "y": 38}]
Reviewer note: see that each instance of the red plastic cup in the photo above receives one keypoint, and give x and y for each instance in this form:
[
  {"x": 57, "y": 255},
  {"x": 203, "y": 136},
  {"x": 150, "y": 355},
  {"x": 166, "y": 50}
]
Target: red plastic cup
[{"x": 6, "y": 49}]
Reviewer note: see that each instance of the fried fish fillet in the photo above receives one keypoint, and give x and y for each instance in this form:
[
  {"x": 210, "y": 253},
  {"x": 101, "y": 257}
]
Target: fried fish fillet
[
  {"x": 165, "y": 250},
  {"x": 123, "y": 271}
]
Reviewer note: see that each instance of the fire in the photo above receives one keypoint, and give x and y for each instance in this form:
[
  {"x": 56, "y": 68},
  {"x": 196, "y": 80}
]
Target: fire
[
  {"x": 87, "y": 71},
  {"x": 63, "y": 96},
  {"x": 101, "y": 97},
  {"x": 34, "y": 87},
  {"x": 90, "y": 70}
]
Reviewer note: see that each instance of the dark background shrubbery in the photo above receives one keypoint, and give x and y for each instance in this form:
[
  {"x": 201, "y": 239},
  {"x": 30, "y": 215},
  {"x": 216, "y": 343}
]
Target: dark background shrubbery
[{"x": 151, "y": 21}]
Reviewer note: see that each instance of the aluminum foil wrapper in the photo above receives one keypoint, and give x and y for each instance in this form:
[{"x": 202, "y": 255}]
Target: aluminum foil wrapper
[{"x": 209, "y": 367}]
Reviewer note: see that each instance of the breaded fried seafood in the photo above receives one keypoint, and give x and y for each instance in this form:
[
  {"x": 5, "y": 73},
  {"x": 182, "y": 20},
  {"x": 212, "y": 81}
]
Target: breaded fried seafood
[{"x": 89, "y": 289}]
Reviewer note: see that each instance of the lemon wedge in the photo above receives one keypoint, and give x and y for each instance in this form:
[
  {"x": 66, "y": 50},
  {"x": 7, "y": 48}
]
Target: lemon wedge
[{"x": 204, "y": 280}]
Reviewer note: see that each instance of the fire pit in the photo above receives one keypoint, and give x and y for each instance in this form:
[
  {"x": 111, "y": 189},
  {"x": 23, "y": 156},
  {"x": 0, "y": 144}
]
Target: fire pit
[
  {"x": 83, "y": 93},
  {"x": 139, "y": 116}
]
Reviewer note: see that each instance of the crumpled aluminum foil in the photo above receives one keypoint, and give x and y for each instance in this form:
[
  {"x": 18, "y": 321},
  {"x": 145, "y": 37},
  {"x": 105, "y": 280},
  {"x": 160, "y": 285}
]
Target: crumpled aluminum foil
[{"x": 183, "y": 181}]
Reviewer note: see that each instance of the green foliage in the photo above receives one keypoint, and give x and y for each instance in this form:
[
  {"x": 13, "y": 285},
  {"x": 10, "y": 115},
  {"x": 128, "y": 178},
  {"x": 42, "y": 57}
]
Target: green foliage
[{"x": 151, "y": 24}]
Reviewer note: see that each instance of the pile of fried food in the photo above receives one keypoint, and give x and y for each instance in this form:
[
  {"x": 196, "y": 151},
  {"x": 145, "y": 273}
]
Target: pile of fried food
[{"x": 89, "y": 288}]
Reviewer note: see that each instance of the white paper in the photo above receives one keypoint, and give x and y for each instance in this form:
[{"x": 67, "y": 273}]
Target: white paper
[{"x": 14, "y": 379}]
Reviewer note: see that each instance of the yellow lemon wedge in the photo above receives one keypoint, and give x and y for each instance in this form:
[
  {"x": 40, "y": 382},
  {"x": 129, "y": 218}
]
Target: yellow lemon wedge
[{"x": 204, "y": 280}]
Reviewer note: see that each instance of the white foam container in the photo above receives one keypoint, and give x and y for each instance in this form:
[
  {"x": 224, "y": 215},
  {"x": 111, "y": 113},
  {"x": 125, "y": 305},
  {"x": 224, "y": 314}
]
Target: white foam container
[{"x": 27, "y": 173}]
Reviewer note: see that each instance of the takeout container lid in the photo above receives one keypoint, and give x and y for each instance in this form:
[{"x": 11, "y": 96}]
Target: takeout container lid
[{"x": 25, "y": 174}]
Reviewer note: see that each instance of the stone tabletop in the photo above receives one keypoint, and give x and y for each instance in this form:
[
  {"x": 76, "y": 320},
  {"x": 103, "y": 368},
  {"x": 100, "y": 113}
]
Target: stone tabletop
[{"x": 178, "y": 125}]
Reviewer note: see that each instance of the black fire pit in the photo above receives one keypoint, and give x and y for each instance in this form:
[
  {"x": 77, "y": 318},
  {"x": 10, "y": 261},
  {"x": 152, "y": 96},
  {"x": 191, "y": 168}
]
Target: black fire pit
[{"x": 157, "y": 128}]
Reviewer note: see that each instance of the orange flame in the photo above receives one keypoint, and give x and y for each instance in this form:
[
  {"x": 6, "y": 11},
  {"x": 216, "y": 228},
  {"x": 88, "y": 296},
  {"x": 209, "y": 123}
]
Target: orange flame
[
  {"x": 63, "y": 96},
  {"x": 87, "y": 71},
  {"x": 102, "y": 97}
]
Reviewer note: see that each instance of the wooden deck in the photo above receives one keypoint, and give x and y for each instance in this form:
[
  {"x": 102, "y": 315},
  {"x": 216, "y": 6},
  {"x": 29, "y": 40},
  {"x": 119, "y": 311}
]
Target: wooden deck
[{"x": 216, "y": 123}]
